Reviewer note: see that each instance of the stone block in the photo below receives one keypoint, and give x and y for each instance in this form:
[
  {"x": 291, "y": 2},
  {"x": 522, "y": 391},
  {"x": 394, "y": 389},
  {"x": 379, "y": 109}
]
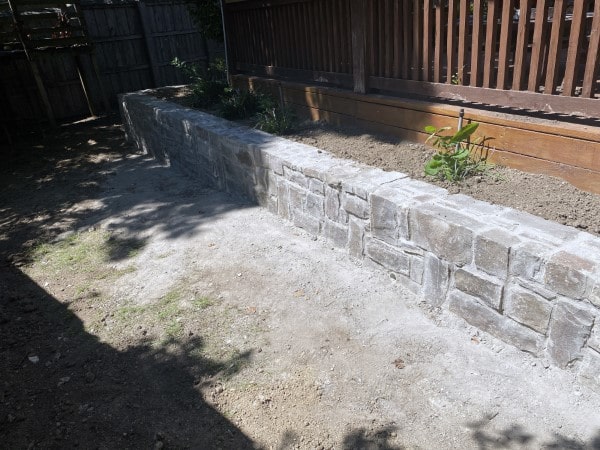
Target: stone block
[
  {"x": 295, "y": 177},
  {"x": 477, "y": 284},
  {"x": 490, "y": 321},
  {"x": 315, "y": 205},
  {"x": 335, "y": 233},
  {"x": 527, "y": 260},
  {"x": 355, "y": 205},
  {"x": 384, "y": 221},
  {"x": 492, "y": 249},
  {"x": 567, "y": 274},
  {"x": 309, "y": 223},
  {"x": 471, "y": 206},
  {"x": 283, "y": 199},
  {"x": 570, "y": 327},
  {"x": 444, "y": 232},
  {"x": 316, "y": 186},
  {"x": 356, "y": 237},
  {"x": 368, "y": 180},
  {"x": 297, "y": 198},
  {"x": 389, "y": 257},
  {"x": 527, "y": 308},
  {"x": 335, "y": 175},
  {"x": 333, "y": 210},
  {"x": 436, "y": 278},
  {"x": 536, "y": 228},
  {"x": 416, "y": 269},
  {"x": 589, "y": 374}
]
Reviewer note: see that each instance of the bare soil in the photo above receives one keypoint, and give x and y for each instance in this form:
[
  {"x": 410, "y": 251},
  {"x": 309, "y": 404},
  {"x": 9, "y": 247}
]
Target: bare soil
[
  {"x": 141, "y": 310},
  {"x": 542, "y": 195}
]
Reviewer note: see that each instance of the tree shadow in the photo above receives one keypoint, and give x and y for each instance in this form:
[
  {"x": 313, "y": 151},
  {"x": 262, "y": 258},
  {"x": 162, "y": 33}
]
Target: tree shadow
[
  {"x": 59, "y": 385},
  {"x": 515, "y": 436},
  {"x": 62, "y": 386},
  {"x": 363, "y": 439}
]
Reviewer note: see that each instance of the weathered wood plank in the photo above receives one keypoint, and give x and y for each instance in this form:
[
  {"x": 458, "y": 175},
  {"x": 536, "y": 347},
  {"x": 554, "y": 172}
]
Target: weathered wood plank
[
  {"x": 555, "y": 46},
  {"x": 506, "y": 34},
  {"x": 574, "y": 50},
  {"x": 538, "y": 45},
  {"x": 591, "y": 66}
]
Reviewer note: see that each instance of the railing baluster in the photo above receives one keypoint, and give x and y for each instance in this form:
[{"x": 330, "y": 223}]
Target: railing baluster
[
  {"x": 427, "y": 32},
  {"x": 476, "y": 43},
  {"x": 558, "y": 22},
  {"x": 490, "y": 43},
  {"x": 522, "y": 44},
  {"x": 538, "y": 45},
  {"x": 591, "y": 66},
  {"x": 574, "y": 53},
  {"x": 462, "y": 39},
  {"x": 439, "y": 40},
  {"x": 451, "y": 41},
  {"x": 506, "y": 27}
]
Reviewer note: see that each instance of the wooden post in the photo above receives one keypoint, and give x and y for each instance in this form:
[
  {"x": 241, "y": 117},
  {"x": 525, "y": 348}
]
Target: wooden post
[
  {"x": 100, "y": 83},
  {"x": 358, "y": 16},
  {"x": 148, "y": 41}
]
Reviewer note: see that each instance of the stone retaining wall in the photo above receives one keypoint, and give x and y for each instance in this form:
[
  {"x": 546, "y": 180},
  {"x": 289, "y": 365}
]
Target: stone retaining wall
[{"x": 532, "y": 283}]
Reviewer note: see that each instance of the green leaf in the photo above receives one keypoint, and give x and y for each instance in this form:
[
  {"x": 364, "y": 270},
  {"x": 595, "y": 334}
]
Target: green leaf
[
  {"x": 465, "y": 132},
  {"x": 430, "y": 129}
]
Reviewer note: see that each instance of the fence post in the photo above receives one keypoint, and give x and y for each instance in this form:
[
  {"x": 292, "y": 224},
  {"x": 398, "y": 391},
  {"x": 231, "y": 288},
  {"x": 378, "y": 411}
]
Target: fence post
[{"x": 358, "y": 15}]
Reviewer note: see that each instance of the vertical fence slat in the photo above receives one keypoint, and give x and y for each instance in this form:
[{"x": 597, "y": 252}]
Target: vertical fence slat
[
  {"x": 538, "y": 45},
  {"x": 389, "y": 42},
  {"x": 427, "y": 33},
  {"x": 462, "y": 39},
  {"x": 397, "y": 46},
  {"x": 491, "y": 31},
  {"x": 574, "y": 53},
  {"x": 381, "y": 43},
  {"x": 417, "y": 41},
  {"x": 439, "y": 41},
  {"x": 451, "y": 42},
  {"x": 591, "y": 66},
  {"x": 505, "y": 43},
  {"x": 558, "y": 21},
  {"x": 522, "y": 44},
  {"x": 359, "y": 25},
  {"x": 476, "y": 43},
  {"x": 406, "y": 35}
]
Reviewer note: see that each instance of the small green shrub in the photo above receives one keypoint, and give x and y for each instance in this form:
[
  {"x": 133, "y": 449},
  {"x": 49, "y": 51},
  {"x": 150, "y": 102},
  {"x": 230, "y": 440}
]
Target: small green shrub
[
  {"x": 238, "y": 104},
  {"x": 458, "y": 157},
  {"x": 275, "y": 120},
  {"x": 208, "y": 87}
]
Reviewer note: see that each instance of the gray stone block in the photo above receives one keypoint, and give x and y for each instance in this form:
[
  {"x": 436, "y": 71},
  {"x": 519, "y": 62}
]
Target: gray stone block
[
  {"x": 536, "y": 228},
  {"x": 306, "y": 222},
  {"x": 295, "y": 177},
  {"x": 297, "y": 198},
  {"x": 436, "y": 278},
  {"x": 471, "y": 206},
  {"x": 492, "y": 248},
  {"x": 356, "y": 236},
  {"x": 336, "y": 234},
  {"x": 589, "y": 374},
  {"x": 316, "y": 186},
  {"x": 527, "y": 308},
  {"x": 444, "y": 232},
  {"x": 490, "y": 321},
  {"x": 527, "y": 259},
  {"x": 567, "y": 274},
  {"x": 283, "y": 199},
  {"x": 570, "y": 327},
  {"x": 355, "y": 205},
  {"x": 333, "y": 210},
  {"x": 485, "y": 288},
  {"x": 416, "y": 269},
  {"x": 315, "y": 205},
  {"x": 389, "y": 257},
  {"x": 368, "y": 180},
  {"x": 384, "y": 222}
]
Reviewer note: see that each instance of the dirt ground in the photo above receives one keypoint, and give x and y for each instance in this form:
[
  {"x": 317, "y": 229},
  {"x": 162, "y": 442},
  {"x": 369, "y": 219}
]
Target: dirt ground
[
  {"x": 542, "y": 195},
  {"x": 139, "y": 309}
]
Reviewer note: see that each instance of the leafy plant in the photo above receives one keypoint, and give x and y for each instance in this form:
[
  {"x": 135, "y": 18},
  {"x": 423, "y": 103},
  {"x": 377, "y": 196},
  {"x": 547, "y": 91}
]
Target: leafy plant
[
  {"x": 238, "y": 104},
  {"x": 275, "y": 120},
  {"x": 208, "y": 87},
  {"x": 458, "y": 157}
]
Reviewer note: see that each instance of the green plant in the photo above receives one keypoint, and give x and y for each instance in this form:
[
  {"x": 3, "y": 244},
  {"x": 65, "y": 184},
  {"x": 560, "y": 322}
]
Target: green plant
[
  {"x": 208, "y": 87},
  {"x": 238, "y": 104},
  {"x": 458, "y": 157},
  {"x": 275, "y": 120}
]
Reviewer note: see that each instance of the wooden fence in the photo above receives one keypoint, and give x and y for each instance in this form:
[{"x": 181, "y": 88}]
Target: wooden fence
[
  {"x": 533, "y": 54},
  {"x": 134, "y": 43}
]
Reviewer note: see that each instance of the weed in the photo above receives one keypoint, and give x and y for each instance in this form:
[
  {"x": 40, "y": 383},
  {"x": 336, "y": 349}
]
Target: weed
[
  {"x": 128, "y": 312},
  {"x": 208, "y": 87},
  {"x": 202, "y": 302},
  {"x": 275, "y": 120},
  {"x": 238, "y": 104},
  {"x": 168, "y": 305},
  {"x": 457, "y": 157},
  {"x": 173, "y": 329}
]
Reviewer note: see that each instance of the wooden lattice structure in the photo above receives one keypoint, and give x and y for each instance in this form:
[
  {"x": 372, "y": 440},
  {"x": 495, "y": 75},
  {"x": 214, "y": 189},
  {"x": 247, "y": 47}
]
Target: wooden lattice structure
[{"x": 36, "y": 28}]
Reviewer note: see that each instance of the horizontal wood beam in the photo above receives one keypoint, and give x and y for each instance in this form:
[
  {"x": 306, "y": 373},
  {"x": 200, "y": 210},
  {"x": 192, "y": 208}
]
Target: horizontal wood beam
[
  {"x": 337, "y": 79},
  {"x": 585, "y": 107}
]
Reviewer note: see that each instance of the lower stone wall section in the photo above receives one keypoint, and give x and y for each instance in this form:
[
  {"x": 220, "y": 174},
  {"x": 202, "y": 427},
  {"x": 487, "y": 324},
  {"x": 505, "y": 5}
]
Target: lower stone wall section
[{"x": 532, "y": 283}]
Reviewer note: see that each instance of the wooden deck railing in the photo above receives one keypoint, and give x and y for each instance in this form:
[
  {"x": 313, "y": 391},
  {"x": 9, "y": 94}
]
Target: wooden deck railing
[{"x": 533, "y": 54}]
